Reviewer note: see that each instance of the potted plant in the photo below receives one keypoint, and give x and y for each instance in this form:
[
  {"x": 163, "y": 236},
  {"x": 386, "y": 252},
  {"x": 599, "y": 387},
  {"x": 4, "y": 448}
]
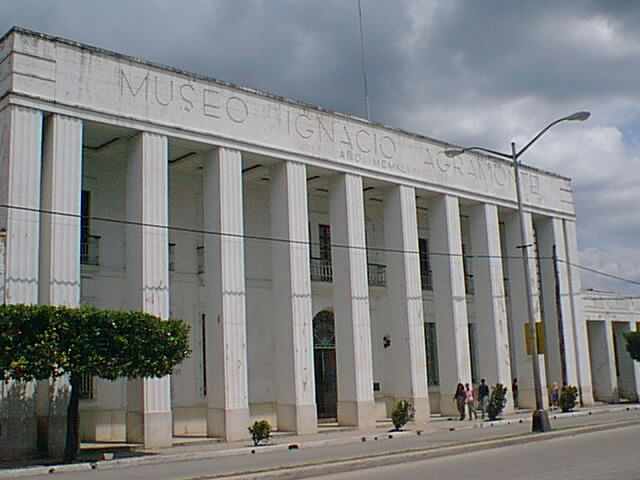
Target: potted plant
[
  {"x": 260, "y": 431},
  {"x": 497, "y": 401}
]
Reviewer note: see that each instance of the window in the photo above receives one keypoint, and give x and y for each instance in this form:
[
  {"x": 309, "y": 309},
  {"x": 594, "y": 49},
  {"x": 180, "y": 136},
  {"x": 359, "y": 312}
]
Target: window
[
  {"x": 468, "y": 271},
  {"x": 425, "y": 267},
  {"x": 86, "y": 386},
  {"x": 324, "y": 234},
  {"x": 89, "y": 244},
  {"x": 431, "y": 347},
  {"x": 473, "y": 352}
]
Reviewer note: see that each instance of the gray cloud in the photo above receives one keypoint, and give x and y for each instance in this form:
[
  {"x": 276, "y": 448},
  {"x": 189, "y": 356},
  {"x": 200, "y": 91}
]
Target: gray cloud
[{"x": 464, "y": 71}]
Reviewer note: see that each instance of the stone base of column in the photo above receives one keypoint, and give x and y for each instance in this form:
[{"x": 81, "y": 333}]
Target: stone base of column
[
  {"x": 52, "y": 435},
  {"x": 586, "y": 395},
  {"x": 229, "y": 423},
  {"x": 361, "y": 415},
  {"x": 151, "y": 429},
  {"x": 422, "y": 408},
  {"x": 301, "y": 419},
  {"x": 22, "y": 442}
]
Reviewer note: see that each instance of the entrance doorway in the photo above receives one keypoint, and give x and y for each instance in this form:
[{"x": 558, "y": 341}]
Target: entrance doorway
[{"x": 324, "y": 356}]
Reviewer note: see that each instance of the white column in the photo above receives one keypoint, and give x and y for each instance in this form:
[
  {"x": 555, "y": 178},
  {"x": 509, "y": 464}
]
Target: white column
[
  {"x": 59, "y": 251},
  {"x": 20, "y": 167},
  {"x": 574, "y": 294},
  {"x": 603, "y": 367},
  {"x": 519, "y": 316},
  {"x": 351, "y": 302},
  {"x": 449, "y": 299},
  {"x": 558, "y": 315},
  {"x": 227, "y": 376},
  {"x": 404, "y": 295},
  {"x": 494, "y": 363},
  {"x": 627, "y": 381},
  {"x": 292, "y": 299},
  {"x": 149, "y": 402}
]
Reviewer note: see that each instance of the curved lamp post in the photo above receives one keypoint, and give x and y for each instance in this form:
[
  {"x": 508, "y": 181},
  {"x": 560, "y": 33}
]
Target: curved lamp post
[{"x": 540, "y": 421}]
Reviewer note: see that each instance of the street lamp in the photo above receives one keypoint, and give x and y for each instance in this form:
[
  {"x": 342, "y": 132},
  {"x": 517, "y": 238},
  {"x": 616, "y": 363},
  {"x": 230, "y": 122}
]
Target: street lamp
[{"x": 540, "y": 420}]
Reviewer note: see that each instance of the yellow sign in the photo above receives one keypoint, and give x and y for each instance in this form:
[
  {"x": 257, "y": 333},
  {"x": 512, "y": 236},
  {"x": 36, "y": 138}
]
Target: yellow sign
[{"x": 539, "y": 337}]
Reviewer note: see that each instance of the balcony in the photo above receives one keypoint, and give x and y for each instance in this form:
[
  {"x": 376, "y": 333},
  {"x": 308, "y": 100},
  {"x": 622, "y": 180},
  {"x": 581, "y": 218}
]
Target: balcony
[
  {"x": 90, "y": 250},
  {"x": 321, "y": 271}
]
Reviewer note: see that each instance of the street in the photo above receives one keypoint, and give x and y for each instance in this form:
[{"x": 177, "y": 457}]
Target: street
[{"x": 609, "y": 454}]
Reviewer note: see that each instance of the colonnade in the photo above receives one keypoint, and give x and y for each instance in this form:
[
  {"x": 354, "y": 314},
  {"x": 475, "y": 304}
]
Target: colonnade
[{"x": 42, "y": 266}]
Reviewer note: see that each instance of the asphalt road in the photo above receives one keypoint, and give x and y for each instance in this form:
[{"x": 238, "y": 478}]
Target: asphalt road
[
  {"x": 333, "y": 453},
  {"x": 608, "y": 454}
]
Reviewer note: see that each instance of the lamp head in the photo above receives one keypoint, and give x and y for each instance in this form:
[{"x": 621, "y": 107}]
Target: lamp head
[{"x": 579, "y": 116}]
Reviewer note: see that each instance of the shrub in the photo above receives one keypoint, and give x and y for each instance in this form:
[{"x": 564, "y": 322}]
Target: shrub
[
  {"x": 497, "y": 401},
  {"x": 260, "y": 431},
  {"x": 568, "y": 396},
  {"x": 401, "y": 414}
]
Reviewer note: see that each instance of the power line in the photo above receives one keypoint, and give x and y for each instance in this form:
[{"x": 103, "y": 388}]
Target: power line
[{"x": 266, "y": 238}]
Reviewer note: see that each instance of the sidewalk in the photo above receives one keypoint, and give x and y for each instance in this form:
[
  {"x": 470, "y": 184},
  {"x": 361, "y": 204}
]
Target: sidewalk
[{"x": 116, "y": 455}]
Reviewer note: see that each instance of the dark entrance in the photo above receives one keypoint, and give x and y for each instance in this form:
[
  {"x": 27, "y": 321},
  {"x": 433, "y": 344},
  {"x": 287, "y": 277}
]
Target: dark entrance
[{"x": 324, "y": 356}]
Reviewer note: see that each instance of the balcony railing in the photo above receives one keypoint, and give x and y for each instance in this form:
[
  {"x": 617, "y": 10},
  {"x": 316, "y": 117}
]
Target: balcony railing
[
  {"x": 321, "y": 271},
  {"x": 90, "y": 250}
]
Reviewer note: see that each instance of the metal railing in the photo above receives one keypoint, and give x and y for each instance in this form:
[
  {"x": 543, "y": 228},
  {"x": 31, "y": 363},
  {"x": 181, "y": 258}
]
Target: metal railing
[
  {"x": 90, "y": 250},
  {"x": 322, "y": 271}
]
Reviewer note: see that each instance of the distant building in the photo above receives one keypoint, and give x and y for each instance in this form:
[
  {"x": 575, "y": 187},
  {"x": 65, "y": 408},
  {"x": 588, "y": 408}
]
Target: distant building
[{"x": 328, "y": 266}]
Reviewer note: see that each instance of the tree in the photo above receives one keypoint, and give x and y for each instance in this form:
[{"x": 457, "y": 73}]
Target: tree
[
  {"x": 39, "y": 342},
  {"x": 633, "y": 344}
]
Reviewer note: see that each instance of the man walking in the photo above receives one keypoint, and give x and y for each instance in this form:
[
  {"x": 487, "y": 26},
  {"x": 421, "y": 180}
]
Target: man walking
[{"x": 483, "y": 396}]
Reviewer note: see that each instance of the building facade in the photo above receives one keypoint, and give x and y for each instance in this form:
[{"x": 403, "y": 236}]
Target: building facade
[{"x": 328, "y": 266}]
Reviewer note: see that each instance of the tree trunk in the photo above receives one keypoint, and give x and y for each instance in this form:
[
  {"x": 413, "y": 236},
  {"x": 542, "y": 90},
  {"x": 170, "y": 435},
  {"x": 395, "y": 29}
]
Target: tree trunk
[{"x": 72, "y": 441}]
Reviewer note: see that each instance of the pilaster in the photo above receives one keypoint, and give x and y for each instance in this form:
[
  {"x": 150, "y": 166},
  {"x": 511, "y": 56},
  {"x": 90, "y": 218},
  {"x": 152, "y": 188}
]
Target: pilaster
[
  {"x": 605, "y": 381},
  {"x": 404, "y": 295},
  {"x": 489, "y": 299},
  {"x": 227, "y": 376},
  {"x": 449, "y": 299},
  {"x": 519, "y": 311},
  {"x": 574, "y": 296},
  {"x": 20, "y": 173},
  {"x": 351, "y": 301},
  {"x": 292, "y": 299},
  {"x": 149, "y": 403},
  {"x": 59, "y": 252}
]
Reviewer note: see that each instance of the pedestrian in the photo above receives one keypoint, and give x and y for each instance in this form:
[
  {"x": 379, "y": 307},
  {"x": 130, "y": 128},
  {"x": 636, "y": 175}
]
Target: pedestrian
[
  {"x": 514, "y": 390},
  {"x": 460, "y": 397},
  {"x": 483, "y": 396},
  {"x": 470, "y": 399},
  {"x": 555, "y": 395}
]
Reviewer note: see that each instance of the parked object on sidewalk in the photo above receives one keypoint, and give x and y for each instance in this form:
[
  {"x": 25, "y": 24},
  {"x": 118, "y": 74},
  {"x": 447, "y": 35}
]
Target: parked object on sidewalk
[
  {"x": 497, "y": 401},
  {"x": 260, "y": 431},
  {"x": 402, "y": 413},
  {"x": 568, "y": 397}
]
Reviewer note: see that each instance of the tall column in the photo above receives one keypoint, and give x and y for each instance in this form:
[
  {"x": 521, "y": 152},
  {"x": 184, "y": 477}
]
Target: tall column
[
  {"x": 59, "y": 252},
  {"x": 449, "y": 299},
  {"x": 627, "y": 382},
  {"x": 20, "y": 167},
  {"x": 148, "y": 400},
  {"x": 558, "y": 316},
  {"x": 519, "y": 317},
  {"x": 351, "y": 302},
  {"x": 292, "y": 299},
  {"x": 603, "y": 367},
  {"x": 574, "y": 294},
  {"x": 227, "y": 376},
  {"x": 404, "y": 295},
  {"x": 489, "y": 300}
]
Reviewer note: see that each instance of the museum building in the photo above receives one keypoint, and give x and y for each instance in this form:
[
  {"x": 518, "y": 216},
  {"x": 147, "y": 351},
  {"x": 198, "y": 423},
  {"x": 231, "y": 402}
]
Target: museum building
[{"x": 328, "y": 266}]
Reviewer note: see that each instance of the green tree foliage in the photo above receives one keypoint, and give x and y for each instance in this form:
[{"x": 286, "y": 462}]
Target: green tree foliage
[
  {"x": 260, "y": 431},
  {"x": 39, "y": 342},
  {"x": 633, "y": 344},
  {"x": 568, "y": 397}
]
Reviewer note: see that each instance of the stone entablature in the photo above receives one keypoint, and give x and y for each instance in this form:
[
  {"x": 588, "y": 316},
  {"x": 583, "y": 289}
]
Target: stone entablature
[
  {"x": 96, "y": 84},
  {"x": 610, "y": 306}
]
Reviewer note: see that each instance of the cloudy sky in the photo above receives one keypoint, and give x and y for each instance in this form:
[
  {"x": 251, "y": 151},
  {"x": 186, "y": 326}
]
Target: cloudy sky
[{"x": 483, "y": 72}]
